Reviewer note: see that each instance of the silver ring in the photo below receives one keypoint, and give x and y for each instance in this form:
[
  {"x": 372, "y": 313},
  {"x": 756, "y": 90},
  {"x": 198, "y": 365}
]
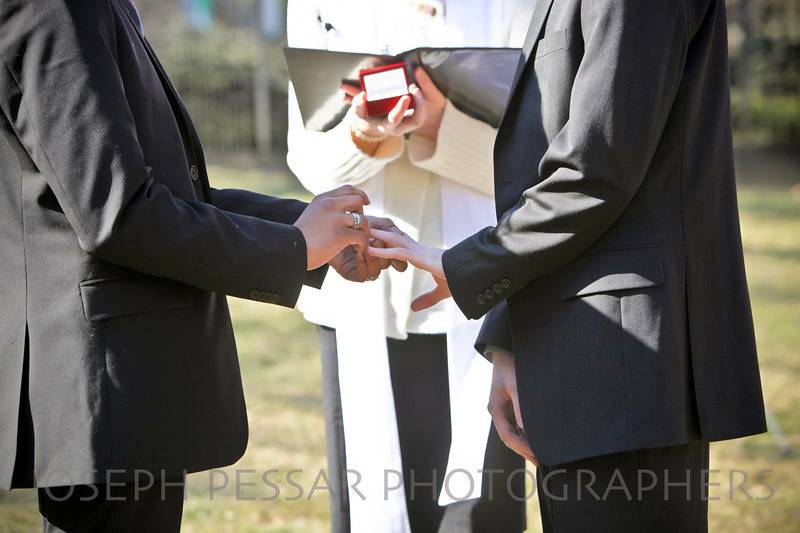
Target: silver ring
[{"x": 356, "y": 220}]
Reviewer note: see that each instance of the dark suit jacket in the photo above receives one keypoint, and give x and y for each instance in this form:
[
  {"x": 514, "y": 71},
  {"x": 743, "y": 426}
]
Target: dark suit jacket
[
  {"x": 116, "y": 255},
  {"x": 618, "y": 248}
]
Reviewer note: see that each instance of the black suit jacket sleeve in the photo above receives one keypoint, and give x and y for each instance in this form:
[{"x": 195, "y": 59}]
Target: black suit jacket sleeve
[
  {"x": 622, "y": 95},
  {"x": 266, "y": 207},
  {"x": 75, "y": 123},
  {"x": 495, "y": 330},
  {"x": 258, "y": 205}
]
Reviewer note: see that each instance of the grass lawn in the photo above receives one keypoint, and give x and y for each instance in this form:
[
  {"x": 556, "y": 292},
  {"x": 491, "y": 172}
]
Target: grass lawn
[{"x": 282, "y": 380}]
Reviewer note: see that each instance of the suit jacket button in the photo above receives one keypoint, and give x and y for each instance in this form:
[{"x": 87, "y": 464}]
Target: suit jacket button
[
  {"x": 505, "y": 282},
  {"x": 489, "y": 293},
  {"x": 497, "y": 288},
  {"x": 194, "y": 172},
  {"x": 481, "y": 299}
]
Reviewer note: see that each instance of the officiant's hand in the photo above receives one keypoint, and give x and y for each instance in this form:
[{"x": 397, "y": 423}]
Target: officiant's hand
[
  {"x": 424, "y": 118},
  {"x": 504, "y": 407},
  {"x": 404, "y": 248}
]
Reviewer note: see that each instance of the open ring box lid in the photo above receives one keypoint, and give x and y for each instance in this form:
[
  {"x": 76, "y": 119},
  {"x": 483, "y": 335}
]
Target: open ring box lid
[{"x": 384, "y": 86}]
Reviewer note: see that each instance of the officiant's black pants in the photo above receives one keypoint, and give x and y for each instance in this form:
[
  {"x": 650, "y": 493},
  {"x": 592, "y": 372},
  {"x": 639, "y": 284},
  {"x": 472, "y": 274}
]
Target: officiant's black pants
[
  {"x": 653, "y": 490},
  {"x": 418, "y": 368}
]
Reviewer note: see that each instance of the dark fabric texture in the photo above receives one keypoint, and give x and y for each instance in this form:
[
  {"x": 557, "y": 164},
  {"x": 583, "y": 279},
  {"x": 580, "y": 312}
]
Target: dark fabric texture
[
  {"x": 655, "y": 490},
  {"x": 334, "y": 432},
  {"x": 496, "y": 330},
  {"x": 116, "y": 256},
  {"x": 617, "y": 249},
  {"x": 420, "y": 383},
  {"x": 154, "y": 505}
]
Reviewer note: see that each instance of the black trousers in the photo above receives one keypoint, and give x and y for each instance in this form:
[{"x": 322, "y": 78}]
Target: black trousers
[
  {"x": 418, "y": 368},
  {"x": 653, "y": 490},
  {"x": 114, "y": 508}
]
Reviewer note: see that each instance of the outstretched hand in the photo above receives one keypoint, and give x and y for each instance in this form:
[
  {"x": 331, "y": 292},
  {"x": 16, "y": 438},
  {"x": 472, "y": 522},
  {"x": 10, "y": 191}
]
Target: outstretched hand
[{"x": 399, "y": 246}]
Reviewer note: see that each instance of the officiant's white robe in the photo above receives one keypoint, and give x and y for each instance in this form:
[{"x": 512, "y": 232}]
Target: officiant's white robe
[{"x": 438, "y": 192}]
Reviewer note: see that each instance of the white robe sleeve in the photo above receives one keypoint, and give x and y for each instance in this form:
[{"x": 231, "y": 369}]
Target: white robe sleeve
[{"x": 325, "y": 160}]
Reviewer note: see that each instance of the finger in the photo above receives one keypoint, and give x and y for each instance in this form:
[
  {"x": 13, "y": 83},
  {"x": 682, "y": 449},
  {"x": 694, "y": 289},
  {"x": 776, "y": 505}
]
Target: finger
[
  {"x": 512, "y": 440},
  {"x": 401, "y": 254},
  {"x": 517, "y": 412},
  {"x": 429, "y": 299},
  {"x": 350, "y": 89},
  {"x": 347, "y": 221},
  {"x": 399, "y": 110},
  {"x": 340, "y": 204},
  {"x": 346, "y": 190},
  {"x": 418, "y": 114},
  {"x": 400, "y": 266},
  {"x": 382, "y": 262},
  {"x": 429, "y": 89},
  {"x": 357, "y": 238},
  {"x": 373, "y": 266},
  {"x": 386, "y": 224},
  {"x": 360, "y": 105},
  {"x": 391, "y": 238}
]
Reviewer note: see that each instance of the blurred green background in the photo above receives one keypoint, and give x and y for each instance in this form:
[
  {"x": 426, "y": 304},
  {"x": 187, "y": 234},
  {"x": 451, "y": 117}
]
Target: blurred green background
[{"x": 224, "y": 57}]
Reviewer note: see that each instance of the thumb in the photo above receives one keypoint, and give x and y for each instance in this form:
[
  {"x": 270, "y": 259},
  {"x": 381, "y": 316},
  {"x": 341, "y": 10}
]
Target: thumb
[
  {"x": 429, "y": 299},
  {"x": 429, "y": 89},
  {"x": 360, "y": 104}
]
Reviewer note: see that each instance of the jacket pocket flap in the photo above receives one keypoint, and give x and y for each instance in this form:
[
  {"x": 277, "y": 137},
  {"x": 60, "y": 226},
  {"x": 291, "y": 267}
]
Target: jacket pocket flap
[
  {"x": 551, "y": 43},
  {"x": 115, "y": 297},
  {"x": 613, "y": 270}
]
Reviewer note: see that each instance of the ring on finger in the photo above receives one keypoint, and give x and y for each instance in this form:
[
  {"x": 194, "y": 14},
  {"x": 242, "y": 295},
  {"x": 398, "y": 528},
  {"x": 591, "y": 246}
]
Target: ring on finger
[{"x": 356, "y": 220}]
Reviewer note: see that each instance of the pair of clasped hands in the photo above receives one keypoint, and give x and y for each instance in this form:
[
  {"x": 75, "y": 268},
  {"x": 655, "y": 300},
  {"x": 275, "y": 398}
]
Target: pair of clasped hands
[{"x": 360, "y": 254}]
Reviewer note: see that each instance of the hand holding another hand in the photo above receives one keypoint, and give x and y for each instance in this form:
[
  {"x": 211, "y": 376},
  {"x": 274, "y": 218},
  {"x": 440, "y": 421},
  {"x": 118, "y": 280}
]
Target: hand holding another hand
[
  {"x": 356, "y": 265},
  {"x": 328, "y": 224}
]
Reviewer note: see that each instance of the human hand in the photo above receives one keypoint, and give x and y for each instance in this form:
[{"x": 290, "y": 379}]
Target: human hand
[
  {"x": 435, "y": 103},
  {"x": 404, "y": 248},
  {"x": 385, "y": 224},
  {"x": 358, "y": 266},
  {"x": 355, "y": 265},
  {"x": 504, "y": 407},
  {"x": 327, "y": 224},
  {"x": 424, "y": 118}
]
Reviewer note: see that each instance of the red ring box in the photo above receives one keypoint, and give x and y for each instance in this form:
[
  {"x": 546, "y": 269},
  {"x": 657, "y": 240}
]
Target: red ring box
[{"x": 385, "y": 86}]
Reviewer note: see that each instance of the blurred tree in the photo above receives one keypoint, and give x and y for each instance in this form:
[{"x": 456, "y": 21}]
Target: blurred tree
[
  {"x": 764, "y": 38},
  {"x": 233, "y": 77}
]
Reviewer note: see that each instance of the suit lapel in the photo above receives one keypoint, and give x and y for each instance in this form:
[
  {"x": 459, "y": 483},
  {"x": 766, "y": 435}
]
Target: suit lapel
[
  {"x": 181, "y": 114},
  {"x": 540, "y": 13},
  {"x": 190, "y": 137}
]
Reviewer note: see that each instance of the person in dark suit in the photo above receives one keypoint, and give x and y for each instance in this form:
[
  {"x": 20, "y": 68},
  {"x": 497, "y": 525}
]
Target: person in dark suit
[
  {"x": 618, "y": 316},
  {"x": 118, "y": 368}
]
